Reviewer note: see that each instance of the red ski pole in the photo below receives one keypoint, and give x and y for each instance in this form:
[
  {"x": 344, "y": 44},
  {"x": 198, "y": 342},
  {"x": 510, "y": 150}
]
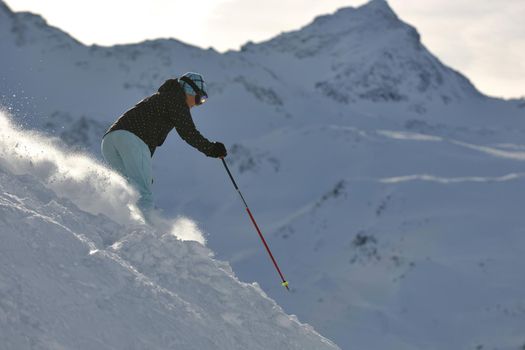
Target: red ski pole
[{"x": 284, "y": 282}]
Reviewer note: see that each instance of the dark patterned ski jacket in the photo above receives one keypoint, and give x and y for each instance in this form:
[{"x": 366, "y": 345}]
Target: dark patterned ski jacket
[{"x": 155, "y": 116}]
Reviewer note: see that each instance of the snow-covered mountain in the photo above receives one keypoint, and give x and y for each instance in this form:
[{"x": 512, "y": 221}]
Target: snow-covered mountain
[
  {"x": 366, "y": 53},
  {"x": 387, "y": 185}
]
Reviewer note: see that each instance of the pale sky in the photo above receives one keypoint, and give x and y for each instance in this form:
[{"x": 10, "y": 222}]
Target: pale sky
[{"x": 483, "y": 39}]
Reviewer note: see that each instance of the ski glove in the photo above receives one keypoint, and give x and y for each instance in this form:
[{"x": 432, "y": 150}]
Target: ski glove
[{"x": 219, "y": 151}]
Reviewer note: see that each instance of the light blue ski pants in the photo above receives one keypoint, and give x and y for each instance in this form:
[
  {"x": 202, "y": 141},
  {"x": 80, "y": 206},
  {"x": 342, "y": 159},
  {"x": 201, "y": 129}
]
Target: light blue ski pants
[{"x": 131, "y": 157}]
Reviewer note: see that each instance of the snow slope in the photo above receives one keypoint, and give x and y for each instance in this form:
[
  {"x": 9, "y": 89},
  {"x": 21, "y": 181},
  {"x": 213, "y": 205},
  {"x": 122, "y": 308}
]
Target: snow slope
[
  {"x": 388, "y": 187},
  {"x": 76, "y": 279}
]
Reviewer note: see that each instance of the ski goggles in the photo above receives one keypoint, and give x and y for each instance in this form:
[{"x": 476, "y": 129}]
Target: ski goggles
[{"x": 200, "y": 96}]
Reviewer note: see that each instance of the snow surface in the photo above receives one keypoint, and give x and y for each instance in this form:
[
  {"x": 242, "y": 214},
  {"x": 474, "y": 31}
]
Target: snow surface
[
  {"x": 388, "y": 187},
  {"x": 76, "y": 279}
]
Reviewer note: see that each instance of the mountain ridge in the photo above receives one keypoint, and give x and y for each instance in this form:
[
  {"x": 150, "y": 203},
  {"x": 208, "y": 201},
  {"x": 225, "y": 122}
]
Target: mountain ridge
[
  {"x": 24, "y": 24},
  {"x": 366, "y": 53}
]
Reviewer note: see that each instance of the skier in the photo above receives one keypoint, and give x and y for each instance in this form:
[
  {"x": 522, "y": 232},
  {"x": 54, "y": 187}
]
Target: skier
[{"x": 129, "y": 144}]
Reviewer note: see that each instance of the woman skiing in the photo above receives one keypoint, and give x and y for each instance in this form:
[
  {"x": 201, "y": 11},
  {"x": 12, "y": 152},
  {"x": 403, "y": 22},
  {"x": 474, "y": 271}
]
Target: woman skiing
[{"x": 129, "y": 144}]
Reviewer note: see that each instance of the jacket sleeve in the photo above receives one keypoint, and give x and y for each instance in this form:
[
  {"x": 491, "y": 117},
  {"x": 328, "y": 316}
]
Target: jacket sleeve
[{"x": 188, "y": 132}]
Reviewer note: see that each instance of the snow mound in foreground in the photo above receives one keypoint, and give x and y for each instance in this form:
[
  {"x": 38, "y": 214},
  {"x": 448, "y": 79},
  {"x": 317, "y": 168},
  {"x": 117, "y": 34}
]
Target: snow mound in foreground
[{"x": 71, "y": 278}]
